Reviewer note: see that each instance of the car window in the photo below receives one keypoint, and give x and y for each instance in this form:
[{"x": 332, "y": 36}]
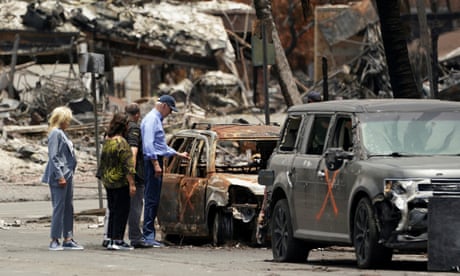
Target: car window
[
  {"x": 238, "y": 156},
  {"x": 176, "y": 164},
  {"x": 199, "y": 165},
  {"x": 264, "y": 151},
  {"x": 317, "y": 137},
  {"x": 415, "y": 133},
  {"x": 342, "y": 137},
  {"x": 290, "y": 132}
]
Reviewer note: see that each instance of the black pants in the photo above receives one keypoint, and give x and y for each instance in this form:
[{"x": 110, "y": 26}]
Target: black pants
[{"x": 118, "y": 202}]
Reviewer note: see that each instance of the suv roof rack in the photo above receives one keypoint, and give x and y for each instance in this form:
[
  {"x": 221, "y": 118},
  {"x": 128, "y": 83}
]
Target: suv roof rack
[{"x": 208, "y": 126}]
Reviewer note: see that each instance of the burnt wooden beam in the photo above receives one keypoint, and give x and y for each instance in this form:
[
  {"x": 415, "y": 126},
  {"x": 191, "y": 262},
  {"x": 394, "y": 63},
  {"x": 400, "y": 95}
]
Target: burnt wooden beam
[
  {"x": 40, "y": 47},
  {"x": 127, "y": 52},
  {"x": 35, "y": 39},
  {"x": 444, "y": 21}
]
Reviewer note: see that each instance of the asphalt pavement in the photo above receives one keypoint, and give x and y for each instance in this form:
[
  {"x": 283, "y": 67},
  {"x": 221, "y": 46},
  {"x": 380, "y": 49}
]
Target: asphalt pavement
[
  {"x": 32, "y": 210},
  {"x": 24, "y": 251},
  {"x": 24, "y": 239}
]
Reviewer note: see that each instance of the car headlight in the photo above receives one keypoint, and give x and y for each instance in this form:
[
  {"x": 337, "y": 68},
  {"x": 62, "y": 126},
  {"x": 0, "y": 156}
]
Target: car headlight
[{"x": 403, "y": 186}]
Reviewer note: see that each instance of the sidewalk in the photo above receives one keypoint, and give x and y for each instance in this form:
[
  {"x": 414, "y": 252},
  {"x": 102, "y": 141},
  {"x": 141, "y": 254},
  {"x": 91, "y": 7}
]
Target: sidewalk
[{"x": 27, "y": 210}]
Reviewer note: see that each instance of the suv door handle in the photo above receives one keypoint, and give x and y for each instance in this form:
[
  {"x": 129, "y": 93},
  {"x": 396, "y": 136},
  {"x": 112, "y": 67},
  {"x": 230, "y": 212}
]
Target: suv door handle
[
  {"x": 289, "y": 176},
  {"x": 321, "y": 174}
]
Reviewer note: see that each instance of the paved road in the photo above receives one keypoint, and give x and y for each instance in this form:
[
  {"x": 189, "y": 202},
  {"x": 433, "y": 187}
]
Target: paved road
[
  {"x": 23, "y": 251},
  {"x": 29, "y": 210}
]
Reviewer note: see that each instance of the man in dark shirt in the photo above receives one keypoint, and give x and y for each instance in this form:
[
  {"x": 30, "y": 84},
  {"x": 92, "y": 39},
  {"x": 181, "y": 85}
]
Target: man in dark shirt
[{"x": 134, "y": 138}]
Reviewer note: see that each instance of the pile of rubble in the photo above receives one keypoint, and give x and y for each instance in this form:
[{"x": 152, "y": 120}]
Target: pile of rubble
[
  {"x": 364, "y": 77},
  {"x": 23, "y": 163}
]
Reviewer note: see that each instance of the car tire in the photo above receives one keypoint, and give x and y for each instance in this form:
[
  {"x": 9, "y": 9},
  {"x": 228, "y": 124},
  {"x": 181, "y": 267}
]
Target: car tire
[
  {"x": 221, "y": 229},
  {"x": 369, "y": 252},
  {"x": 173, "y": 238},
  {"x": 285, "y": 247}
]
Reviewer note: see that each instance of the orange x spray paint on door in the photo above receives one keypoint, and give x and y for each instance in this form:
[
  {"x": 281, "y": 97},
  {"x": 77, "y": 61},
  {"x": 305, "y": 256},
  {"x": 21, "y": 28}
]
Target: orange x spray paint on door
[
  {"x": 329, "y": 195},
  {"x": 187, "y": 198}
]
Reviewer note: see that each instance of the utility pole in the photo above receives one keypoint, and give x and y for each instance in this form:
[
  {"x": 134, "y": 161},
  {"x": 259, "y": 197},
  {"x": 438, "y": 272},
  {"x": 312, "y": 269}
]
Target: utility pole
[
  {"x": 434, "y": 48},
  {"x": 285, "y": 78},
  {"x": 94, "y": 63}
]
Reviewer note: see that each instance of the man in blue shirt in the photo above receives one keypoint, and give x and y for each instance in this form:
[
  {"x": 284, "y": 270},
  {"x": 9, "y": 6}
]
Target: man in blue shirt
[{"x": 155, "y": 148}]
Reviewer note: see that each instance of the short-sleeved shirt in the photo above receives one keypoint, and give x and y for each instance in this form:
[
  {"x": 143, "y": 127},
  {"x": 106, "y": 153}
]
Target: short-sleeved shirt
[
  {"x": 116, "y": 163},
  {"x": 134, "y": 139}
]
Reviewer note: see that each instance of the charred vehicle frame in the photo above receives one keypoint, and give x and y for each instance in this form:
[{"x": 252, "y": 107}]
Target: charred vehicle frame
[{"x": 215, "y": 195}]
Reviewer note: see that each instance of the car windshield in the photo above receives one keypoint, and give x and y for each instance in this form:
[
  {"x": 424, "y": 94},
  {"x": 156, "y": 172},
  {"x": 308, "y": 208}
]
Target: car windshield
[
  {"x": 248, "y": 156},
  {"x": 411, "y": 133}
]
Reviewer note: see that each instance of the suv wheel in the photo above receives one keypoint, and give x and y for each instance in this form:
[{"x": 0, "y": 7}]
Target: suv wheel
[
  {"x": 284, "y": 246},
  {"x": 369, "y": 252}
]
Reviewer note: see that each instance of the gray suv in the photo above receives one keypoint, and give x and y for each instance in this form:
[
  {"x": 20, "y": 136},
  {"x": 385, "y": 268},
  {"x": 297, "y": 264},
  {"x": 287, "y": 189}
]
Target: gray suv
[{"x": 361, "y": 173}]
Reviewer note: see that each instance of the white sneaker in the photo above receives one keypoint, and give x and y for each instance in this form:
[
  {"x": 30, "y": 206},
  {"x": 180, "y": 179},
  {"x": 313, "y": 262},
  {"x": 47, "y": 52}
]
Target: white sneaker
[{"x": 112, "y": 246}]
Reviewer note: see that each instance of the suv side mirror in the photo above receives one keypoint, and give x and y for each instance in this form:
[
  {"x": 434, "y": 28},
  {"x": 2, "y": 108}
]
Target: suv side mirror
[
  {"x": 334, "y": 158},
  {"x": 266, "y": 177}
]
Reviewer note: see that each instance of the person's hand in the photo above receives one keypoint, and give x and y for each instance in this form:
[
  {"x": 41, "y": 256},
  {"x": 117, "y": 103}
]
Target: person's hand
[
  {"x": 132, "y": 190},
  {"x": 260, "y": 218},
  {"x": 158, "y": 170},
  {"x": 62, "y": 182},
  {"x": 184, "y": 155}
]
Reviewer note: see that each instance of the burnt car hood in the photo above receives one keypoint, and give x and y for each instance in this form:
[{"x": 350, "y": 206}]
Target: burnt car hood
[
  {"x": 418, "y": 166},
  {"x": 247, "y": 181}
]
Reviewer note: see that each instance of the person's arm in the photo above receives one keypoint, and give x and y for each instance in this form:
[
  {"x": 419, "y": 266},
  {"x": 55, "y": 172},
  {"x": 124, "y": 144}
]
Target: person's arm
[
  {"x": 54, "y": 142},
  {"x": 159, "y": 170},
  {"x": 162, "y": 148},
  {"x": 160, "y": 145},
  {"x": 134, "y": 150},
  {"x": 148, "y": 139},
  {"x": 156, "y": 166},
  {"x": 126, "y": 157},
  {"x": 133, "y": 139},
  {"x": 132, "y": 185},
  {"x": 184, "y": 155}
]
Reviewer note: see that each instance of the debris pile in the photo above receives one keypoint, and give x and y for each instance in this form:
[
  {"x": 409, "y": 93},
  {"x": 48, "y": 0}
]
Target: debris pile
[
  {"x": 364, "y": 77},
  {"x": 219, "y": 93},
  {"x": 49, "y": 93}
]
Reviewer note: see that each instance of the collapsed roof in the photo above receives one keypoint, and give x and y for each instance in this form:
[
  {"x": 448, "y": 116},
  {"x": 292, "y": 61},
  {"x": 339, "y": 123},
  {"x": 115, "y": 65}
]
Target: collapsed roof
[{"x": 149, "y": 33}]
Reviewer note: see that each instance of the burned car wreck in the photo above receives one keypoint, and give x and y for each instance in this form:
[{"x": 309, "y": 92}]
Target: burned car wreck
[
  {"x": 215, "y": 194},
  {"x": 361, "y": 173}
]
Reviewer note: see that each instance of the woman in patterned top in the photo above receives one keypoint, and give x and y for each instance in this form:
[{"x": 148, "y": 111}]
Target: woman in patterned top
[{"x": 116, "y": 171}]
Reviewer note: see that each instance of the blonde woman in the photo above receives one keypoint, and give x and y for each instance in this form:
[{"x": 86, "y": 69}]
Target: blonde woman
[{"x": 58, "y": 175}]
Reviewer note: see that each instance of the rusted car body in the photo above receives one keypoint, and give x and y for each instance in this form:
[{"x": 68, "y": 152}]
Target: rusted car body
[{"x": 215, "y": 194}]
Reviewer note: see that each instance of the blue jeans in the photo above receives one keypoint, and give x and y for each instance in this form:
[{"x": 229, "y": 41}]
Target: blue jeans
[
  {"x": 62, "y": 217},
  {"x": 151, "y": 199}
]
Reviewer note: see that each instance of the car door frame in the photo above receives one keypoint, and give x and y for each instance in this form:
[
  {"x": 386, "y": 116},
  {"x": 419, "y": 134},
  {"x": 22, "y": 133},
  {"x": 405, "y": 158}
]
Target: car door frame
[
  {"x": 308, "y": 165},
  {"x": 345, "y": 177},
  {"x": 174, "y": 170},
  {"x": 286, "y": 152},
  {"x": 192, "y": 189}
]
